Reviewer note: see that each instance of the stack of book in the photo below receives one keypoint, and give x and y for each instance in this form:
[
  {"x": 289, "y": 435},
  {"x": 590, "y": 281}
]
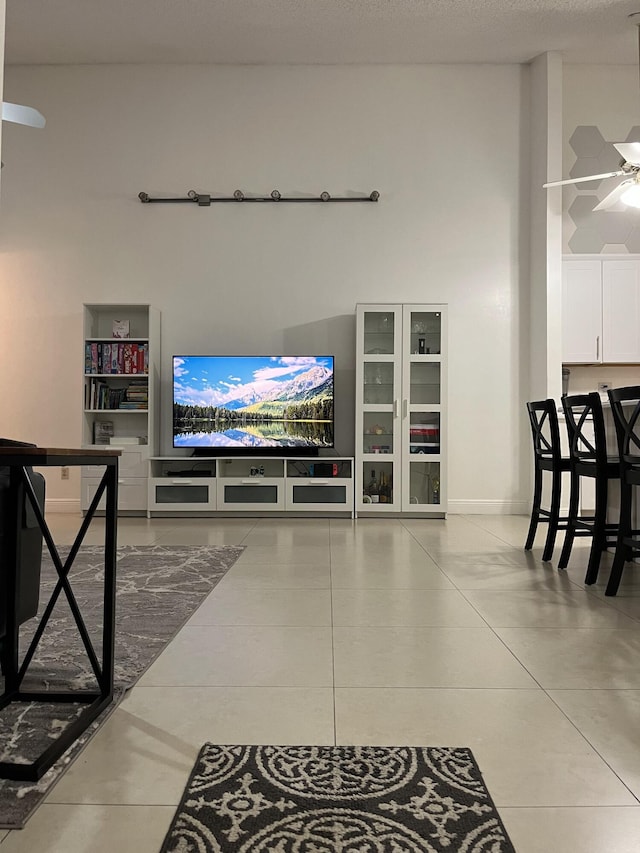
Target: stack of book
[
  {"x": 100, "y": 395},
  {"x": 136, "y": 396}
]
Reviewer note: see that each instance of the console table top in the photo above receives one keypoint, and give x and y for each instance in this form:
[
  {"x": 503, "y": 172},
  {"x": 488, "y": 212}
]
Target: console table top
[{"x": 56, "y": 455}]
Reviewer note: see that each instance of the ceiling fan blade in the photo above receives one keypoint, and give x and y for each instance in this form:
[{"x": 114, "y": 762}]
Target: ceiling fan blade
[
  {"x": 614, "y": 196},
  {"x": 630, "y": 151},
  {"x": 586, "y": 178},
  {"x": 22, "y": 115}
]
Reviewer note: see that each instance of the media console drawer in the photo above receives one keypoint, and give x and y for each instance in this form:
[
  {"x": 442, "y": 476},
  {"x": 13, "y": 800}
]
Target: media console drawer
[
  {"x": 250, "y": 493},
  {"x": 182, "y": 493},
  {"x": 333, "y": 494}
]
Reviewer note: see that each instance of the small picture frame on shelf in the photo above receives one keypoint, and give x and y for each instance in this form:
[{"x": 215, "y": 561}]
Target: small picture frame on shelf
[
  {"x": 102, "y": 432},
  {"x": 120, "y": 329}
]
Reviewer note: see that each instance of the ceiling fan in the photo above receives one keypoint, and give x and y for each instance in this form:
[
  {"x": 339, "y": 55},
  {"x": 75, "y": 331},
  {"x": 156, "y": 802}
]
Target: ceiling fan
[
  {"x": 627, "y": 191},
  {"x": 22, "y": 115},
  {"x": 19, "y": 114}
]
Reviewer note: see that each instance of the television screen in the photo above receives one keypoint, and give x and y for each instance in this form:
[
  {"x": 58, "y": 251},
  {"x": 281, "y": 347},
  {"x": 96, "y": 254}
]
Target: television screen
[{"x": 223, "y": 403}]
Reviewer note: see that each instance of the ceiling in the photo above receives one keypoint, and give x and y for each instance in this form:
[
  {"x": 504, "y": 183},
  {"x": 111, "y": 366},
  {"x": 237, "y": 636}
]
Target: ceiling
[{"x": 318, "y": 31}]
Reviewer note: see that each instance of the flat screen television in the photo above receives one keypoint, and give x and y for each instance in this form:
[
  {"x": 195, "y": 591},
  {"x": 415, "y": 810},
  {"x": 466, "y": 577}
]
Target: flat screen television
[{"x": 225, "y": 405}]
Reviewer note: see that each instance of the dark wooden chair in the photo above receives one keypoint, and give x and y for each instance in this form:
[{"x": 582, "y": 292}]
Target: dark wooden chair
[
  {"x": 625, "y": 408},
  {"x": 547, "y": 456},
  {"x": 588, "y": 457}
]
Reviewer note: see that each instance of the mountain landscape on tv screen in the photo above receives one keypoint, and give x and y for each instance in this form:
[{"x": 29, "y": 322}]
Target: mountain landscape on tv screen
[
  {"x": 283, "y": 402},
  {"x": 314, "y": 387}
]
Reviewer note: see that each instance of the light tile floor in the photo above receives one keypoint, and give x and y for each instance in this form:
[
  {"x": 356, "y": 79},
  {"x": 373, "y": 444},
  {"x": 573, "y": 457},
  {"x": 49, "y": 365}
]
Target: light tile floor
[{"x": 388, "y": 632}]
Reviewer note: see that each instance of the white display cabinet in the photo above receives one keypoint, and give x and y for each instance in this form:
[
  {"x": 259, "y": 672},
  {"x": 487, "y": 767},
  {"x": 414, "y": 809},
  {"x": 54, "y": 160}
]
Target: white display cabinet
[
  {"x": 120, "y": 395},
  {"x": 401, "y": 413}
]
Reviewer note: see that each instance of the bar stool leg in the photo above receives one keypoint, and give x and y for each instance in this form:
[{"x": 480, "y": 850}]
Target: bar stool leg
[
  {"x": 623, "y": 552},
  {"x": 535, "y": 509},
  {"x": 599, "y": 541},
  {"x": 571, "y": 522},
  {"x": 554, "y": 516}
]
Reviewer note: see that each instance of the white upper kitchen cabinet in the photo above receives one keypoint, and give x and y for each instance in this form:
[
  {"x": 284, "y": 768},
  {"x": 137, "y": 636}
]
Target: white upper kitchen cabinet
[
  {"x": 581, "y": 311},
  {"x": 620, "y": 311},
  {"x": 601, "y": 311}
]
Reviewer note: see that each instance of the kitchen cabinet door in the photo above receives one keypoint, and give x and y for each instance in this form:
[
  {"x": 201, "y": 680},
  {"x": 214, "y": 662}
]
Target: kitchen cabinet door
[
  {"x": 620, "y": 311},
  {"x": 581, "y": 312}
]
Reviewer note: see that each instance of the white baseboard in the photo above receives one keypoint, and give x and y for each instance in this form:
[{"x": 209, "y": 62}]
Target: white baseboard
[
  {"x": 66, "y": 505},
  {"x": 479, "y": 507}
]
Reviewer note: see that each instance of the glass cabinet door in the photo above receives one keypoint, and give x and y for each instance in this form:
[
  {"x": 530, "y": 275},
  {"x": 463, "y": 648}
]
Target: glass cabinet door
[
  {"x": 381, "y": 342},
  {"x": 422, "y": 408}
]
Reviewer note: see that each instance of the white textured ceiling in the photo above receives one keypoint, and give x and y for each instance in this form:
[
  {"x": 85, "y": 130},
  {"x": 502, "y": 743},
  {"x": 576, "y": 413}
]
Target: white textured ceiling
[{"x": 318, "y": 31}]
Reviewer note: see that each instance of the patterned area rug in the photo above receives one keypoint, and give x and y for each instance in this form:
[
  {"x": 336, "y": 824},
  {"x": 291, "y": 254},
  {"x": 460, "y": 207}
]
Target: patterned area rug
[
  {"x": 336, "y": 799},
  {"x": 158, "y": 589}
]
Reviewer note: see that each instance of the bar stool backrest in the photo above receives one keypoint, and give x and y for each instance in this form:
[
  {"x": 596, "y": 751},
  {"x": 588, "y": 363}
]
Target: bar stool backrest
[
  {"x": 581, "y": 412},
  {"x": 545, "y": 431},
  {"x": 625, "y": 408}
]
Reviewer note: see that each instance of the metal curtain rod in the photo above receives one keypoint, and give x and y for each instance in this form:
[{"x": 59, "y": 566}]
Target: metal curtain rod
[{"x": 205, "y": 200}]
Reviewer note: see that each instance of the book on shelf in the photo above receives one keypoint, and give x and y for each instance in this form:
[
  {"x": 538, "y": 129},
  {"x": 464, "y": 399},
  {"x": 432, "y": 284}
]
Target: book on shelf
[
  {"x": 126, "y": 358},
  {"x": 116, "y": 358}
]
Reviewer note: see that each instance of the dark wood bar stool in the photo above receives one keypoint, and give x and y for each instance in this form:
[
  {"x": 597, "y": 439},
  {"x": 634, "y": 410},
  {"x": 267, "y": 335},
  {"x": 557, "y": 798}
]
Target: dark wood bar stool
[
  {"x": 547, "y": 456},
  {"x": 625, "y": 408},
  {"x": 588, "y": 458}
]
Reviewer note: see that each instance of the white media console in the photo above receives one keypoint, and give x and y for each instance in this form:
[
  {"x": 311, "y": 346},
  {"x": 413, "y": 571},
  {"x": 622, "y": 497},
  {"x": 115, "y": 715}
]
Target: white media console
[{"x": 251, "y": 485}]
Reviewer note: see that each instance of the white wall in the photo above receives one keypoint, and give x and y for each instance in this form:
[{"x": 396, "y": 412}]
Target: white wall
[
  {"x": 442, "y": 144},
  {"x": 3, "y": 9}
]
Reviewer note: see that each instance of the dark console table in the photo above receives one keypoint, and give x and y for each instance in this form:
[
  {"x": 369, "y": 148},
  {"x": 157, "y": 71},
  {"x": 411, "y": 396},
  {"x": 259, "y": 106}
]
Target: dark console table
[{"x": 20, "y": 460}]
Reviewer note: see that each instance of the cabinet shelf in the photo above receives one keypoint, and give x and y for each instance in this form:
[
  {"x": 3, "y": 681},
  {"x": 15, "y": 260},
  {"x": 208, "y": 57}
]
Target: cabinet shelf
[
  {"x": 136, "y": 375},
  {"x": 112, "y": 340}
]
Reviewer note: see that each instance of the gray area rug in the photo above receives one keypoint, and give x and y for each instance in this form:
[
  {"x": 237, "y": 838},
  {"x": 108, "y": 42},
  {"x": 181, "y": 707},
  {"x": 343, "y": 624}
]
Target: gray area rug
[
  {"x": 336, "y": 799},
  {"x": 158, "y": 589}
]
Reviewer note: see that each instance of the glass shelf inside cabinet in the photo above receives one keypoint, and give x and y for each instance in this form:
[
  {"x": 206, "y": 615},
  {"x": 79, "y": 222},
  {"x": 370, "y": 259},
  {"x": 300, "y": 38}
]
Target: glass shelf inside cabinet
[
  {"x": 378, "y": 383},
  {"x": 425, "y": 332},
  {"x": 424, "y": 383},
  {"x": 378, "y": 333},
  {"x": 377, "y": 432}
]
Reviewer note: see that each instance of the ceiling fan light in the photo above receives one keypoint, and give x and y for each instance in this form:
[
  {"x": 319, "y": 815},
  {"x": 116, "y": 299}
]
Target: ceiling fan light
[{"x": 632, "y": 196}]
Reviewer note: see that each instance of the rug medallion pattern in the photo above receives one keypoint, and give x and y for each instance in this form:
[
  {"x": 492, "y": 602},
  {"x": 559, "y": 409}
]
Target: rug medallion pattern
[{"x": 336, "y": 799}]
